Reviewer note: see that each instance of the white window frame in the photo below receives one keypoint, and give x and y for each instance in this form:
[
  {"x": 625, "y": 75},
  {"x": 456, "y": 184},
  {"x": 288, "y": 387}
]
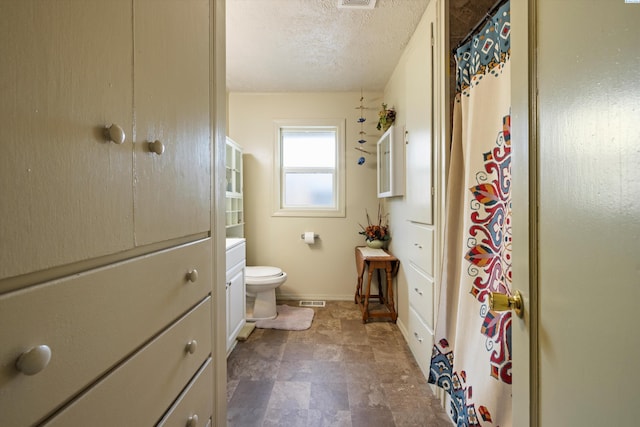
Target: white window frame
[{"x": 339, "y": 182}]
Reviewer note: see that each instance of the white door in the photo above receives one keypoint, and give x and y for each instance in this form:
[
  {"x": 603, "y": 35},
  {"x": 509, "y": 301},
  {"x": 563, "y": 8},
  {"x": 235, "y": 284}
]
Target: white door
[{"x": 585, "y": 270}]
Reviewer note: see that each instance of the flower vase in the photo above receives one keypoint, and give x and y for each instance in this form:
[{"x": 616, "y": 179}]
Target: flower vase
[{"x": 376, "y": 244}]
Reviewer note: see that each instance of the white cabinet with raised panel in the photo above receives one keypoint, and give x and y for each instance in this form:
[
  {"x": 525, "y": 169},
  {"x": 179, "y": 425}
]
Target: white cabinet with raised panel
[
  {"x": 105, "y": 196},
  {"x": 236, "y": 288},
  {"x": 414, "y": 217},
  {"x": 419, "y": 134},
  {"x": 69, "y": 191}
]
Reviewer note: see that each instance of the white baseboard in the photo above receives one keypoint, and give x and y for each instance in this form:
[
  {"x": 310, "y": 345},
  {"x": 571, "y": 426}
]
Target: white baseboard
[{"x": 315, "y": 297}]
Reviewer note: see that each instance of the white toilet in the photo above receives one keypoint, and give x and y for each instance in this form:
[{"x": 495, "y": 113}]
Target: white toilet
[{"x": 261, "y": 282}]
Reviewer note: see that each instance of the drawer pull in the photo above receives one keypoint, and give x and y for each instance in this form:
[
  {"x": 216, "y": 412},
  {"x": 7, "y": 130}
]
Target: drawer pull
[
  {"x": 192, "y": 346},
  {"x": 415, "y": 334},
  {"x": 115, "y": 134},
  {"x": 192, "y": 421},
  {"x": 192, "y": 276},
  {"x": 418, "y": 291},
  {"x": 417, "y": 245},
  {"x": 156, "y": 147},
  {"x": 34, "y": 360}
]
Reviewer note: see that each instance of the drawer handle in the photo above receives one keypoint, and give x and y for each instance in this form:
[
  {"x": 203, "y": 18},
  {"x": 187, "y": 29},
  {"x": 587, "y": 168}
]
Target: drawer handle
[
  {"x": 192, "y": 276},
  {"x": 415, "y": 334},
  {"x": 115, "y": 134},
  {"x": 156, "y": 147},
  {"x": 419, "y": 246},
  {"x": 192, "y": 421},
  {"x": 192, "y": 346},
  {"x": 418, "y": 291},
  {"x": 34, "y": 360}
]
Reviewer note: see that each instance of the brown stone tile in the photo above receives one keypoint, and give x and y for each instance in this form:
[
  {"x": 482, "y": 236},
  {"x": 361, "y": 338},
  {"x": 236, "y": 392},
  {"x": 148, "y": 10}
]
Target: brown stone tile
[
  {"x": 363, "y": 371},
  {"x": 295, "y": 370},
  {"x": 357, "y": 353},
  {"x": 399, "y": 372},
  {"x": 340, "y": 372},
  {"x": 389, "y": 353},
  {"x": 328, "y": 372},
  {"x": 245, "y": 417},
  {"x": 333, "y": 418},
  {"x": 330, "y": 396},
  {"x": 290, "y": 395},
  {"x": 252, "y": 369},
  {"x": 267, "y": 351},
  {"x": 286, "y": 418},
  {"x": 328, "y": 352},
  {"x": 407, "y": 397},
  {"x": 296, "y": 350},
  {"x": 368, "y": 417},
  {"x": 251, "y": 394},
  {"x": 332, "y": 325},
  {"x": 366, "y": 395},
  {"x": 274, "y": 336},
  {"x": 231, "y": 388},
  {"x": 427, "y": 417}
]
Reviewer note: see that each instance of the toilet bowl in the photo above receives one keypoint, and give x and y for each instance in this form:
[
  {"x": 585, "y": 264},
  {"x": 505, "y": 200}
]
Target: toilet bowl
[{"x": 261, "y": 283}]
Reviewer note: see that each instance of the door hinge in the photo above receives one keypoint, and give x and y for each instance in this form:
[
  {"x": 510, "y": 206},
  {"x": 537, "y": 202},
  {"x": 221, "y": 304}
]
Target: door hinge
[{"x": 432, "y": 38}]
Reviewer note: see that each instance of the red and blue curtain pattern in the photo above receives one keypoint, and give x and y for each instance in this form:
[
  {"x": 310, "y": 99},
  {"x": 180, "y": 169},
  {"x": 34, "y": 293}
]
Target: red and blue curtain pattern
[{"x": 471, "y": 357}]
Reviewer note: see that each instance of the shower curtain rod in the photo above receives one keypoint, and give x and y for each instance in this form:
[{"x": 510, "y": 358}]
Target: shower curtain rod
[{"x": 480, "y": 23}]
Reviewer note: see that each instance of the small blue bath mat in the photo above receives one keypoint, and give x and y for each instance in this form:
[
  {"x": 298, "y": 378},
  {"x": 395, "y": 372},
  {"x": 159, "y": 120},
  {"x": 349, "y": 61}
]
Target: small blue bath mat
[{"x": 289, "y": 319}]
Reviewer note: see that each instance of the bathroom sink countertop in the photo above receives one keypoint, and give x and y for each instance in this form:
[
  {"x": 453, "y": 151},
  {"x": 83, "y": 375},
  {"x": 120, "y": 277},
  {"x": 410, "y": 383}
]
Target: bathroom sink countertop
[{"x": 231, "y": 242}]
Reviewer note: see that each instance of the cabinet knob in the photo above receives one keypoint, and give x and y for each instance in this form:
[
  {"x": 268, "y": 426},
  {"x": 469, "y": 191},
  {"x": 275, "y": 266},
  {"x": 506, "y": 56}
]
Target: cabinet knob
[
  {"x": 34, "y": 360},
  {"x": 192, "y": 421},
  {"x": 156, "y": 147},
  {"x": 192, "y": 276},
  {"x": 192, "y": 346},
  {"x": 115, "y": 134},
  {"x": 418, "y": 291},
  {"x": 417, "y": 245},
  {"x": 415, "y": 334}
]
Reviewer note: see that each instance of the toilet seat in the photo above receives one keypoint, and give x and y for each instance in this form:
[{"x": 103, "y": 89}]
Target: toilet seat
[{"x": 262, "y": 272}]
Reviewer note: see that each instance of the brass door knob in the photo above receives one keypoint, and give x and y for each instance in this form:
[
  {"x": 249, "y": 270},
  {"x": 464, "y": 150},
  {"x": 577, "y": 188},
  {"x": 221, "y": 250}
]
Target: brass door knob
[{"x": 503, "y": 302}]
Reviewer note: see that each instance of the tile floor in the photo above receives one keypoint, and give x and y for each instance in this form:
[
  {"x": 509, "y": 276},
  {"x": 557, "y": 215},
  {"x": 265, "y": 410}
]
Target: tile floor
[{"x": 340, "y": 372}]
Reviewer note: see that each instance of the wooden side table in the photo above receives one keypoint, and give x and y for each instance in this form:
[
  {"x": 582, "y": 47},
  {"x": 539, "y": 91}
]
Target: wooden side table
[{"x": 375, "y": 260}]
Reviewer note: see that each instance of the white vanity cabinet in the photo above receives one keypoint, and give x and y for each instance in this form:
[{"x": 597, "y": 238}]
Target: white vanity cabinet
[{"x": 236, "y": 311}]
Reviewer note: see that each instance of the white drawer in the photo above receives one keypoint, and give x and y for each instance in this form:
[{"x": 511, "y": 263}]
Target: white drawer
[
  {"x": 196, "y": 401},
  {"x": 139, "y": 392},
  {"x": 420, "y": 341},
  {"x": 236, "y": 254},
  {"x": 421, "y": 294},
  {"x": 421, "y": 247},
  {"x": 92, "y": 321}
]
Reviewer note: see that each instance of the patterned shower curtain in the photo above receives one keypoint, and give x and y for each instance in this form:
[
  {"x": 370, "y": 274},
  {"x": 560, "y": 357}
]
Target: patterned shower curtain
[{"x": 471, "y": 357}]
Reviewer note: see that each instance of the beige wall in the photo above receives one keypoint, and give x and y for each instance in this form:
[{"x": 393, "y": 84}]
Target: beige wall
[{"x": 325, "y": 270}]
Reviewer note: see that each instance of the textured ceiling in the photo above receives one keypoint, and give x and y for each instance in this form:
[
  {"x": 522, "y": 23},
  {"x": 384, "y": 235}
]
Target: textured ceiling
[{"x": 314, "y": 46}]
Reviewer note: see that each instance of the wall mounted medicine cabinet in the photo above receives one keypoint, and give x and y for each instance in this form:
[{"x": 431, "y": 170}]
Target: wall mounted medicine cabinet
[{"x": 390, "y": 149}]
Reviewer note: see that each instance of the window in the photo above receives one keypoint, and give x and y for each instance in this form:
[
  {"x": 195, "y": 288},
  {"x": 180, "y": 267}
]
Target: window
[{"x": 310, "y": 168}]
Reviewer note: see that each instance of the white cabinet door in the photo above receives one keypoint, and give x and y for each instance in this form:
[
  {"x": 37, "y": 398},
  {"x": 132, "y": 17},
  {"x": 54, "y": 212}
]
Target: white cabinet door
[
  {"x": 65, "y": 75},
  {"x": 172, "y": 189},
  {"x": 419, "y": 129},
  {"x": 235, "y": 303}
]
